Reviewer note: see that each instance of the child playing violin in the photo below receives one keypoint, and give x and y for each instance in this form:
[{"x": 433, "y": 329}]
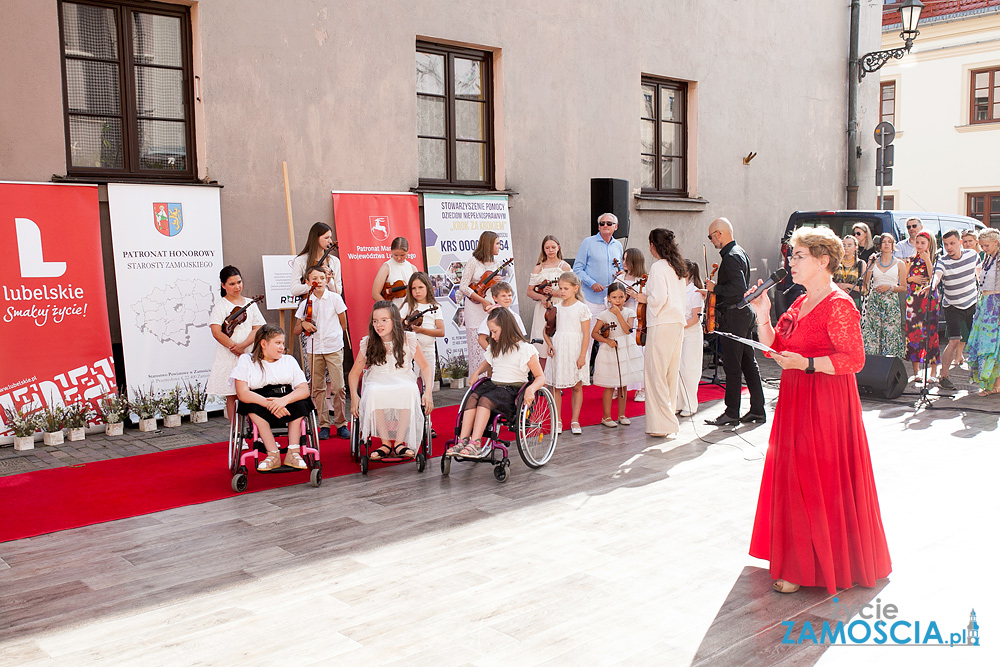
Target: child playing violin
[
  {"x": 619, "y": 361},
  {"x": 228, "y": 352},
  {"x": 429, "y": 326},
  {"x": 394, "y": 274}
]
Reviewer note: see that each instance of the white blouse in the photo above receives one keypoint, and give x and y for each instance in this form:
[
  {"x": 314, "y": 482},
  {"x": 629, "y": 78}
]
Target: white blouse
[
  {"x": 283, "y": 371},
  {"x": 512, "y": 367}
]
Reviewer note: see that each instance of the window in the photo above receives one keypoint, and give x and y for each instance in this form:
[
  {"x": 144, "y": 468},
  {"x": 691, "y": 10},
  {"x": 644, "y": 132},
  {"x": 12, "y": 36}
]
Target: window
[
  {"x": 664, "y": 136},
  {"x": 985, "y": 207},
  {"x": 888, "y": 203},
  {"x": 454, "y": 116},
  {"x": 985, "y": 96},
  {"x": 887, "y": 107},
  {"x": 127, "y": 89}
]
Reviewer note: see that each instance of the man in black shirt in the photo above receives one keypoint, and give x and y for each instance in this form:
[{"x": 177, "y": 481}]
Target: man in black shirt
[{"x": 737, "y": 358}]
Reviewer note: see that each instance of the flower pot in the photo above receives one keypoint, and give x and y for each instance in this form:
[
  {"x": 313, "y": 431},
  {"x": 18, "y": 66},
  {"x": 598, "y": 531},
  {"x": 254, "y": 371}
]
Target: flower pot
[
  {"x": 116, "y": 428},
  {"x": 54, "y": 438},
  {"x": 199, "y": 417},
  {"x": 458, "y": 383},
  {"x": 77, "y": 433},
  {"x": 171, "y": 421},
  {"x": 437, "y": 385},
  {"x": 147, "y": 425},
  {"x": 23, "y": 444}
]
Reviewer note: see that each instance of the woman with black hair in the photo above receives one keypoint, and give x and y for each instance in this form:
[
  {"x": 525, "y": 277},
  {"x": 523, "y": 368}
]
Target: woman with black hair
[
  {"x": 665, "y": 298},
  {"x": 229, "y": 349}
]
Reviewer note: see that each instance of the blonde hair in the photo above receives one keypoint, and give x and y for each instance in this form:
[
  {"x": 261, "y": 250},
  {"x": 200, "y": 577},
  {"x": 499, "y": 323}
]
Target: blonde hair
[
  {"x": 820, "y": 241},
  {"x": 541, "y": 254},
  {"x": 572, "y": 279},
  {"x": 868, "y": 235},
  {"x": 990, "y": 234}
]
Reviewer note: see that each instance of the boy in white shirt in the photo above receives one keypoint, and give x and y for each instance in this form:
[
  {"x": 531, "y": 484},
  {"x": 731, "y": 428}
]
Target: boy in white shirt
[
  {"x": 325, "y": 348},
  {"x": 503, "y": 297}
]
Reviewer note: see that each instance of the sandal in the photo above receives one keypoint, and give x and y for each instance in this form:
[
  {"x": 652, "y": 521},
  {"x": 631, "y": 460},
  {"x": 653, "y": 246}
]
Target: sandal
[
  {"x": 403, "y": 452},
  {"x": 472, "y": 450},
  {"x": 271, "y": 462},
  {"x": 783, "y": 586},
  {"x": 988, "y": 392},
  {"x": 380, "y": 453},
  {"x": 609, "y": 422},
  {"x": 457, "y": 447},
  {"x": 294, "y": 460},
  {"x": 575, "y": 428}
]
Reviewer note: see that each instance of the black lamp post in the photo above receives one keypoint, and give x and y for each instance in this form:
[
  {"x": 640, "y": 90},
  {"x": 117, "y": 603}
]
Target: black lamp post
[{"x": 872, "y": 62}]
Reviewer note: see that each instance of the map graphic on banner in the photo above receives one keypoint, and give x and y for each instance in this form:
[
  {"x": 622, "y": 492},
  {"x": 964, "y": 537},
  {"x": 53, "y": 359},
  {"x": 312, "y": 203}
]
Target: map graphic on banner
[
  {"x": 452, "y": 226},
  {"x": 53, "y": 307},
  {"x": 168, "y": 253}
]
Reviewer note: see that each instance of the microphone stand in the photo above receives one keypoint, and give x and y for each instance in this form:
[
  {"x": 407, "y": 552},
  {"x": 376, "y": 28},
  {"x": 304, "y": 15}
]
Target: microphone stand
[{"x": 924, "y": 398}]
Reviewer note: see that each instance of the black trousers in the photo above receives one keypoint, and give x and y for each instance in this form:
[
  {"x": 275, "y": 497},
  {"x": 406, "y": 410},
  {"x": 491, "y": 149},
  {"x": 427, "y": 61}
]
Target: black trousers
[{"x": 738, "y": 360}]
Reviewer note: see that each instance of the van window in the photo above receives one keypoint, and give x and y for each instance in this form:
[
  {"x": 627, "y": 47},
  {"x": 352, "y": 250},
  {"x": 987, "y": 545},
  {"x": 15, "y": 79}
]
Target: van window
[{"x": 842, "y": 225}]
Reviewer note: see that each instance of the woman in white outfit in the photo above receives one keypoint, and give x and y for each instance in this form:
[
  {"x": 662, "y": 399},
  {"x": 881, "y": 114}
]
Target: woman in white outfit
[
  {"x": 693, "y": 345},
  {"x": 546, "y": 272}
]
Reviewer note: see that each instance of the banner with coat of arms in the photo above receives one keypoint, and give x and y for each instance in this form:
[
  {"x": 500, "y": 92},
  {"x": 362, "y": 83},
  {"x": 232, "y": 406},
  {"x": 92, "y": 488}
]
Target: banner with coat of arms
[
  {"x": 168, "y": 253},
  {"x": 366, "y": 223}
]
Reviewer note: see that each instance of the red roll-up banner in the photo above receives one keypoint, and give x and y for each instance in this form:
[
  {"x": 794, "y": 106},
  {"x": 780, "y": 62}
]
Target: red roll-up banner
[
  {"x": 366, "y": 223},
  {"x": 55, "y": 316}
]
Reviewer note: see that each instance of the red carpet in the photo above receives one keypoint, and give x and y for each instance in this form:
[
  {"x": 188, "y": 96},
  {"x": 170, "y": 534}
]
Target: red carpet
[{"x": 46, "y": 501}]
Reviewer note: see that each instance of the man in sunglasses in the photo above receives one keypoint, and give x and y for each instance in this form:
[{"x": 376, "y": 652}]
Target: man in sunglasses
[
  {"x": 737, "y": 358},
  {"x": 904, "y": 249},
  {"x": 594, "y": 264}
]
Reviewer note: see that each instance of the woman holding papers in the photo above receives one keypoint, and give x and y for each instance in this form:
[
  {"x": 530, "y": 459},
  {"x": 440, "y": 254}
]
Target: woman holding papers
[{"x": 818, "y": 520}]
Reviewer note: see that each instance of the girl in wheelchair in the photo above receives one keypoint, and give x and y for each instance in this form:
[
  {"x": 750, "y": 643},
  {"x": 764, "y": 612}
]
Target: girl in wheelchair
[
  {"x": 509, "y": 359},
  {"x": 272, "y": 391},
  {"x": 389, "y": 403}
]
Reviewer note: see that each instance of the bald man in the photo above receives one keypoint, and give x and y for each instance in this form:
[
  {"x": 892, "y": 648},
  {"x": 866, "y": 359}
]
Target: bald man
[{"x": 737, "y": 358}]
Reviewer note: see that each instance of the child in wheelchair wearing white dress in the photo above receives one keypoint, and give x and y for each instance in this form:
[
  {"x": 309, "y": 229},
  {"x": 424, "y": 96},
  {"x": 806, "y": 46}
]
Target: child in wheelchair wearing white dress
[
  {"x": 389, "y": 403},
  {"x": 273, "y": 392},
  {"x": 509, "y": 359}
]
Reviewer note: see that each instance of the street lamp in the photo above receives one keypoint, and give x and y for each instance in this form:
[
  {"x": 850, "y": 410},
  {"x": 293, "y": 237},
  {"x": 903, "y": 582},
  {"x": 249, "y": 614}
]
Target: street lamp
[{"x": 910, "y": 13}]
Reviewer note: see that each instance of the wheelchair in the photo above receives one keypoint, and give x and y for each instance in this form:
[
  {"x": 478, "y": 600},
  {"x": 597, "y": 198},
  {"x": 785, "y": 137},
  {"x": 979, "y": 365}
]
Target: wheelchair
[
  {"x": 535, "y": 428},
  {"x": 361, "y": 450},
  {"x": 246, "y": 448}
]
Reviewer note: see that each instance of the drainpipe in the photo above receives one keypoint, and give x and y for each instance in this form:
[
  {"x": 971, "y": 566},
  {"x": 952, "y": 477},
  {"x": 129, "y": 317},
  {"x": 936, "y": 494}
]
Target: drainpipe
[{"x": 853, "y": 149}]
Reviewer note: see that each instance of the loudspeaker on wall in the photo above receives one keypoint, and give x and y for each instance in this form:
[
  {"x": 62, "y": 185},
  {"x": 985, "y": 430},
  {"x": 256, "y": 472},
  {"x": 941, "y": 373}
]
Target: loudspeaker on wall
[{"x": 609, "y": 195}]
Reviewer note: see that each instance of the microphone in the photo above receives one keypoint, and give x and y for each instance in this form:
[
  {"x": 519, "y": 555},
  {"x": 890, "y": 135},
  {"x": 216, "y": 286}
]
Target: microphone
[{"x": 763, "y": 287}]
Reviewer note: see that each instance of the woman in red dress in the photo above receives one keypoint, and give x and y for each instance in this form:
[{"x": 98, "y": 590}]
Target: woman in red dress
[{"x": 818, "y": 519}]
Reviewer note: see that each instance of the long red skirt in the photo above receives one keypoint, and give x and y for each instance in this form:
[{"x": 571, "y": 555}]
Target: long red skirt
[{"x": 818, "y": 519}]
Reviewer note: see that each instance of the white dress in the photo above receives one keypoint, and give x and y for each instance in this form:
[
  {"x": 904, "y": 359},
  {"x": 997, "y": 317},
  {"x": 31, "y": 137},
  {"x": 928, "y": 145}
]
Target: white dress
[
  {"x": 629, "y": 279},
  {"x": 538, "y": 319},
  {"x": 399, "y": 272},
  {"x": 692, "y": 353},
  {"x": 225, "y": 361},
  {"x": 390, "y": 400},
  {"x": 474, "y": 312},
  {"x": 629, "y": 358},
  {"x": 566, "y": 342}
]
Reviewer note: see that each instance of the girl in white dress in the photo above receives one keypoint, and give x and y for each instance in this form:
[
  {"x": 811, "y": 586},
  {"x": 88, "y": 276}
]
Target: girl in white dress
[
  {"x": 229, "y": 349},
  {"x": 389, "y": 403},
  {"x": 693, "y": 344},
  {"x": 394, "y": 274},
  {"x": 568, "y": 347},
  {"x": 546, "y": 272},
  {"x": 635, "y": 269},
  {"x": 420, "y": 298},
  {"x": 618, "y": 362},
  {"x": 483, "y": 260},
  {"x": 273, "y": 392}
]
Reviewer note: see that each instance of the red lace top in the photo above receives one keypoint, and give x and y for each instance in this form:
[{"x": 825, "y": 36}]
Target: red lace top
[{"x": 831, "y": 329}]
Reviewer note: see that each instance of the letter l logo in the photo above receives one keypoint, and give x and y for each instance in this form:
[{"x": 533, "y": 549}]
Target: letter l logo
[{"x": 29, "y": 250}]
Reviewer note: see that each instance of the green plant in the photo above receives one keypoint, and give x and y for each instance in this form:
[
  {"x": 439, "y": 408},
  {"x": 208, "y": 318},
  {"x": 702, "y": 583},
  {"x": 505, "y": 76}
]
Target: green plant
[
  {"x": 459, "y": 366},
  {"x": 78, "y": 414},
  {"x": 22, "y": 423},
  {"x": 195, "y": 396},
  {"x": 146, "y": 404},
  {"x": 113, "y": 407},
  {"x": 170, "y": 402},
  {"x": 52, "y": 418}
]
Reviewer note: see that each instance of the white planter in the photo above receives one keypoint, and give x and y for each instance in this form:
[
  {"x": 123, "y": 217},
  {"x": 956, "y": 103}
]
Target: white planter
[
  {"x": 147, "y": 425},
  {"x": 114, "y": 429},
  {"x": 437, "y": 385},
  {"x": 458, "y": 383},
  {"x": 24, "y": 444},
  {"x": 199, "y": 417},
  {"x": 51, "y": 439},
  {"x": 171, "y": 421},
  {"x": 78, "y": 433}
]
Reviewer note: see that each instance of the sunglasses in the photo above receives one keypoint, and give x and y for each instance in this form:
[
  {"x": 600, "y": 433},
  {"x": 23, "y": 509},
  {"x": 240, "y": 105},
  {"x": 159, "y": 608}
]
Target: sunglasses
[
  {"x": 712, "y": 234},
  {"x": 605, "y": 223},
  {"x": 859, "y": 233},
  {"x": 912, "y": 226}
]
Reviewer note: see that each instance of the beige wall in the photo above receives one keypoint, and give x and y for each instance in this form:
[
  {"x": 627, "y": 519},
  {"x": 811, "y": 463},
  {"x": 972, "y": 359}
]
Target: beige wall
[{"x": 330, "y": 88}]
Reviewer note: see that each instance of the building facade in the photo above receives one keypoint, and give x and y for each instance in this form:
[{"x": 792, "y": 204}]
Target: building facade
[
  {"x": 944, "y": 101},
  {"x": 526, "y": 98}
]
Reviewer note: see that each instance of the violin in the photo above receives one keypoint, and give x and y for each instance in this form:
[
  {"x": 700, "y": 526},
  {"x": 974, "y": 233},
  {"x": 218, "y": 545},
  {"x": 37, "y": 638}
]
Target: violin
[
  {"x": 709, "y": 326},
  {"x": 640, "y": 313},
  {"x": 392, "y": 290},
  {"x": 308, "y": 315},
  {"x": 412, "y": 318},
  {"x": 550, "y": 318},
  {"x": 544, "y": 285},
  {"x": 606, "y": 328},
  {"x": 488, "y": 280},
  {"x": 618, "y": 267},
  {"x": 238, "y": 316},
  {"x": 333, "y": 246}
]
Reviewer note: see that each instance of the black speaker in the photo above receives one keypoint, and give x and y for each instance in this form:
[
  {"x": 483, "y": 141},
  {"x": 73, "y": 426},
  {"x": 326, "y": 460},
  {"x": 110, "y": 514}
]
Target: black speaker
[
  {"x": 609, "y": 195},
  {"x": 884, "y": 377}
]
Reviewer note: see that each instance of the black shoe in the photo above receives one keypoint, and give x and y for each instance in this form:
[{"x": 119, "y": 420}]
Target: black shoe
[
  {"x": 751, "y": 418},
  {"x": 945, "y": 383},
  {"x": 324, "y": 433},
  {"x": 723, "y": 420}
]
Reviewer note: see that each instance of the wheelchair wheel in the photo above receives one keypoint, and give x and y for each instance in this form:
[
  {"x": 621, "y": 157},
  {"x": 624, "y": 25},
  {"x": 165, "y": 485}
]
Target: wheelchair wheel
[
  {"x": 316, "y": 476},
  {"x": 501, "y": 473},
  {"x": 445, "y": 465},
  {"x": 537, "y": 429},
  {"x": 421, "y": 462},
  {"x": 356, "y": 439},
  {"x": 239, "y": 482},
  {"x": 237, "y": 435},
  {"x": 364, "y": 465}
]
